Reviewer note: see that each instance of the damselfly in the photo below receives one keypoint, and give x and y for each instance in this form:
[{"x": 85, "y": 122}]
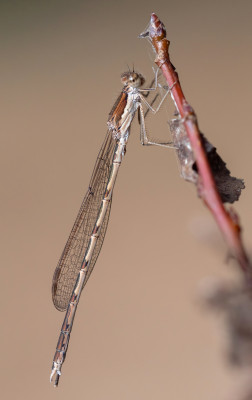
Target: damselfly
[{"x": 85, "y": 241}]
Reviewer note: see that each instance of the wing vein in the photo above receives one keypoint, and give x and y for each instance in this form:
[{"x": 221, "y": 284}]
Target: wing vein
[{"x": 73, "y": 254}]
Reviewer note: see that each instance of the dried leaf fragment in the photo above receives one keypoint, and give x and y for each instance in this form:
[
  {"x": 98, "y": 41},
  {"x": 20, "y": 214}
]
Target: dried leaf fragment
[{"x": 229, "y": 187}]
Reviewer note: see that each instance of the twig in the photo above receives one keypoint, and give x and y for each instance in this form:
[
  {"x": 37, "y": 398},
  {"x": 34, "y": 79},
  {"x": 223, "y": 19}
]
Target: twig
[{"x": 226, "y": 219}]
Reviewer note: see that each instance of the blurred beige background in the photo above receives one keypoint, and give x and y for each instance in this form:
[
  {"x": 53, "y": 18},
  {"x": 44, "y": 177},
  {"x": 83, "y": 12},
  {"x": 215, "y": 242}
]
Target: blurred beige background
[{"x": 139, "y": 332}]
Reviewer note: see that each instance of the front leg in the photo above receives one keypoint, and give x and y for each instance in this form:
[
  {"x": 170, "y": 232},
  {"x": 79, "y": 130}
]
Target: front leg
[{"x": 143, "y": 135}]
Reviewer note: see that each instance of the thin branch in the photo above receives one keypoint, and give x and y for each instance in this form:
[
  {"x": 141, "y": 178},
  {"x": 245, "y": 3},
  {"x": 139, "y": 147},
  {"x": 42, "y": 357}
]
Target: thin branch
[{"x": 227, "y": 220}]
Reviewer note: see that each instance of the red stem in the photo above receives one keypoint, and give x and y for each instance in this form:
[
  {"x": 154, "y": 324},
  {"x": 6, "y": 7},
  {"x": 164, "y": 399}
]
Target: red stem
[{"x": 227, "y": 221}]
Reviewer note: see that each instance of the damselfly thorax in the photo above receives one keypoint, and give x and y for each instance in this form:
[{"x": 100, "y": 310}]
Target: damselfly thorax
[{"x": 126, "y": 105}]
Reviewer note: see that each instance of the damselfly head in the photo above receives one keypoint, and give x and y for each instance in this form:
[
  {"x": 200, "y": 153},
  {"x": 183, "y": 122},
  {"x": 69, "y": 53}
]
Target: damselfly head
[{"x": 132, "y": 79}]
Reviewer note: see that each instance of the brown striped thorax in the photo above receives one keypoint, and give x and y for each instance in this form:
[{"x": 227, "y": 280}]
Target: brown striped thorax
[{"x": 126, "y": 105}]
